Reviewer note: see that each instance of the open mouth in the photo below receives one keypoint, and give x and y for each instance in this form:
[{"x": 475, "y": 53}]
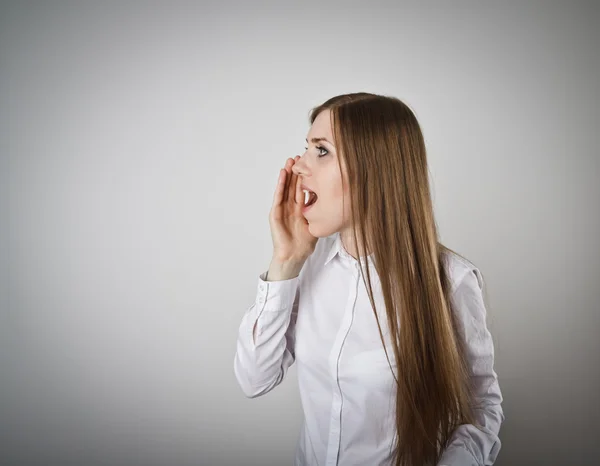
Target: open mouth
[{"x": 310, "y": 198}]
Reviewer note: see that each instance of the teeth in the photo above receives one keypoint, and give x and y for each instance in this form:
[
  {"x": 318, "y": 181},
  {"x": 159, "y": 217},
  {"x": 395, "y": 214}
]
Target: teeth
[{"x": 308, "y": 195}]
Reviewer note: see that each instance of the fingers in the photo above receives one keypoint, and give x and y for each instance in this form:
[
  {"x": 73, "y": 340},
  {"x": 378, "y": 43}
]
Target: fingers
[
  {"x": 288, "y": 169},
  {"x": 287, "y": 184},
  {"x": 292, "y": 189},
  {"x": 299, "y": 195},
  {"x": 279, "y": 188}
]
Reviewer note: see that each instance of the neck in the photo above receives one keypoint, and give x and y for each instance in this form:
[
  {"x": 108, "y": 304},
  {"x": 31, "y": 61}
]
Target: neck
[{"x": 348, "y": 242}]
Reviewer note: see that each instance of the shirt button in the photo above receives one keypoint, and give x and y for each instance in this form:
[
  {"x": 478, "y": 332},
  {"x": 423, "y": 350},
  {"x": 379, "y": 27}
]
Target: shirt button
[
  {"x": 261, "y": 287},
  {"x": 261, "y": 300}
]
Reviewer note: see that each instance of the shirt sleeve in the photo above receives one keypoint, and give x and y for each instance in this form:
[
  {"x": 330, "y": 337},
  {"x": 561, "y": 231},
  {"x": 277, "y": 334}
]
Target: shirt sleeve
[
  {"x": 470, "y": 446},
  {"x": 263, "y": 357}
]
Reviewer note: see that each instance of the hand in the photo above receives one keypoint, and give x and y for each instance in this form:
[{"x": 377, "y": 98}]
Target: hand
[{"x": 289, "y": 229}]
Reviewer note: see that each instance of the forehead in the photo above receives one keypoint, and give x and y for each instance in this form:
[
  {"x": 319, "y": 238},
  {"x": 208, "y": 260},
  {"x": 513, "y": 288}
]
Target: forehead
[{"x": 321, "y": 127}]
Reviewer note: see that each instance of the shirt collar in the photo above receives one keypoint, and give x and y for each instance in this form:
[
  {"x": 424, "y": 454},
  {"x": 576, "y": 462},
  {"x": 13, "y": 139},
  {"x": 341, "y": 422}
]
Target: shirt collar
[{"x": 338, "y": 248}]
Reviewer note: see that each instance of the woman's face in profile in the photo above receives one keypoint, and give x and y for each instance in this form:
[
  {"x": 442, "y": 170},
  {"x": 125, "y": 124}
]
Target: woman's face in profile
[{"x": 319, "y": 171}]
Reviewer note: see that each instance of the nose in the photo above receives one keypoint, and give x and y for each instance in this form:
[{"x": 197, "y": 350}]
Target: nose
[{"x": 298, "y": 167}]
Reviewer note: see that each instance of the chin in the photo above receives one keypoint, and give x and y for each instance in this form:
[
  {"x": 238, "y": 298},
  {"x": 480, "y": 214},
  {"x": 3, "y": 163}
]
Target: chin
[{"x": 321, "y": 231}]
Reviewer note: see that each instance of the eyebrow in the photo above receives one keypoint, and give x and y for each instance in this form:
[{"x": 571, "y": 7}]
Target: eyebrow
[{"x": 316, "y": 140}]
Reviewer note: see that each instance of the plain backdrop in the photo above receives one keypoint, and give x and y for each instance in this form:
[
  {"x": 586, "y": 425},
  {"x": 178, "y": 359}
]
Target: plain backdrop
[{"x": 140, "y": 145}]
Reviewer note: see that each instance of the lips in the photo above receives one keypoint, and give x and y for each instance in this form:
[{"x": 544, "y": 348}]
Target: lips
[{"x": 304, "y": 187}]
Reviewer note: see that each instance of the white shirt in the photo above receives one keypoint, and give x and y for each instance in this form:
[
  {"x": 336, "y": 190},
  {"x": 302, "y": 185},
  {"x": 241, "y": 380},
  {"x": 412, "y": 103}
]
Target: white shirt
[{"x": 323, "y": 321}]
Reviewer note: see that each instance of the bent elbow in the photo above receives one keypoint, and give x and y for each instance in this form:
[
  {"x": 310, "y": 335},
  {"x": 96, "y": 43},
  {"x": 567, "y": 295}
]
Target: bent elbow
[{"x": 252, "y": 388}]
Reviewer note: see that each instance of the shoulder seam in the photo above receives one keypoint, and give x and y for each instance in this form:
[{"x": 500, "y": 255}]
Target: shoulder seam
[{"x": 470, "y": 266}]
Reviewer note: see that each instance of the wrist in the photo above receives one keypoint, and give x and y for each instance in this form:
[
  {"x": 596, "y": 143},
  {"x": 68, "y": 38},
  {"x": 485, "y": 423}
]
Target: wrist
[{"x": 284, "y": 270}]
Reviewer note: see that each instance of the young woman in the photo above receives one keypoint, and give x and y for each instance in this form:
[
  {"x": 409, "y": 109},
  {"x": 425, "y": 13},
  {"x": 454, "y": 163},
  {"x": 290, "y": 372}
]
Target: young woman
[{"x": 388, "y": 326}]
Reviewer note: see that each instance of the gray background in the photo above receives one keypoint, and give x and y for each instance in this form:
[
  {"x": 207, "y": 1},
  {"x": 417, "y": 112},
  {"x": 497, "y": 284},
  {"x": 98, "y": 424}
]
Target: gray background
[{"x": 140, "y": 145}]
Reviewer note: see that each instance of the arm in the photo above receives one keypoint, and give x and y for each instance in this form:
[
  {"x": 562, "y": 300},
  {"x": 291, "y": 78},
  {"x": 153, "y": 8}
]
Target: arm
[
  {"x": 468, "y": 445},
  {"x": 266, "y": 336}
]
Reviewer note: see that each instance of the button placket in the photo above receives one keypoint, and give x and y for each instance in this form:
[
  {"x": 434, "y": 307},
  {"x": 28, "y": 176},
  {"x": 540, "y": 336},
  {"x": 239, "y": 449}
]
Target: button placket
[{"x": 335, "y": 421}]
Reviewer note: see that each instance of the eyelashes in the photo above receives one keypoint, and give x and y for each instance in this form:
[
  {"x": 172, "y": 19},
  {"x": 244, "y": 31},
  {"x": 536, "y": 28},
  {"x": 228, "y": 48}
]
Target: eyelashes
[{"x": 320, "y": 148}]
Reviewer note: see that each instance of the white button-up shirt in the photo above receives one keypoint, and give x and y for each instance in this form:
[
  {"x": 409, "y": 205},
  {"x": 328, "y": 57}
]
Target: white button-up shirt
[{"x": 323, "y": 321}]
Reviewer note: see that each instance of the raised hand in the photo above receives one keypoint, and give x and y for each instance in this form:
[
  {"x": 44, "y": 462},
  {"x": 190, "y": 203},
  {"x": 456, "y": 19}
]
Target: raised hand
[{"x": 292, "y": 242}]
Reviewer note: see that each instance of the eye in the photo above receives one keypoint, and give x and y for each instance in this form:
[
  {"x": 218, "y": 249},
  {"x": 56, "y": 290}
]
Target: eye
[{"x": 320, "y": 148}]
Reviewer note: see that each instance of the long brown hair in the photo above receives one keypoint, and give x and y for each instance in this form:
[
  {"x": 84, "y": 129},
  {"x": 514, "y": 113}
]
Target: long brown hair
[{"x": 380, "y": 143}]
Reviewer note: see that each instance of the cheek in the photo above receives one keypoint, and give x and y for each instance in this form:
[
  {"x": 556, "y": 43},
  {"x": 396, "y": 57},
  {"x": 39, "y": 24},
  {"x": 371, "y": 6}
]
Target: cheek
[
  {"x": 336, "y": 194},
  {"x": 338, "y": 204}
]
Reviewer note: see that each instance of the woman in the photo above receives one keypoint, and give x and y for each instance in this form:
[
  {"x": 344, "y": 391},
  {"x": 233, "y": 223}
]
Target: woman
[{"x": 364, "y": 181}]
